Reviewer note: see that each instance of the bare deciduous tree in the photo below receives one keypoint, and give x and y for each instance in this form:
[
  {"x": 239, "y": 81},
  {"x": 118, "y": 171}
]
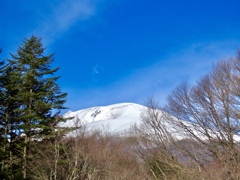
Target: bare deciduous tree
[
  {"x": 212, "y": 106},
  {"x": 154, "y": 145}
]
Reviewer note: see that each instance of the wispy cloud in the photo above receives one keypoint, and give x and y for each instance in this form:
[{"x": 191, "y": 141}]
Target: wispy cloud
[
  {"x": 49, "y": 19},
  {"x": 160, "y": 79},
  {"x": 97, "y": 71},
  {"x": 64, "y": 15}
]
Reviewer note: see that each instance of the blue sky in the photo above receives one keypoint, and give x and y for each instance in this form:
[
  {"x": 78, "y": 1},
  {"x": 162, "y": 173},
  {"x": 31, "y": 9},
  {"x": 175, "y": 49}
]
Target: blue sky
[{"x": 112, "y": 51}]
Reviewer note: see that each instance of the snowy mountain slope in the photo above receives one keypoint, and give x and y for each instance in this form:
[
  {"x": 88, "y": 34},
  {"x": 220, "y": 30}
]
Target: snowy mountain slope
[{"x": 116, "y": 118}]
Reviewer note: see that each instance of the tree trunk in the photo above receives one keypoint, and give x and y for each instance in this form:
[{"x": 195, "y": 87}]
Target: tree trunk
[
  {"x": 27, "y": 137},
  {"x": 25, "y": 157}
]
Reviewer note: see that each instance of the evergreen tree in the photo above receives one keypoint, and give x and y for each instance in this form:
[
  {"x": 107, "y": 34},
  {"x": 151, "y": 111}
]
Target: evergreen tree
[
  {"x": 10, "y": 80},
  {"x": 38, "y": 94},
  {"x": 8, "y": 92}
]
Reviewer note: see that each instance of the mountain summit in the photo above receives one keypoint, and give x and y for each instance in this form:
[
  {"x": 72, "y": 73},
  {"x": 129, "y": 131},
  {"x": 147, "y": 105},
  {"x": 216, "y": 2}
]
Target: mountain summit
[{"x": 116, "y": 118}]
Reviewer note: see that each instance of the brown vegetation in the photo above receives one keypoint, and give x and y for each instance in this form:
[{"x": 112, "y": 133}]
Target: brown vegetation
[{"x": 95, "y": 156}]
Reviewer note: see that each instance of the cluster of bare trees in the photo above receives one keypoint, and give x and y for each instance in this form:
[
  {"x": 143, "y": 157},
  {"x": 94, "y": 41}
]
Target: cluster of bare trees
[
  {"x": 208, "y": 147},
  {"x": 85, "y": 156}
]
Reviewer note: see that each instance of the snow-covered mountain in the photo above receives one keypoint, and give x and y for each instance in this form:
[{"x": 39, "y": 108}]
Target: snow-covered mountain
[{"x": 116, "y": 118}]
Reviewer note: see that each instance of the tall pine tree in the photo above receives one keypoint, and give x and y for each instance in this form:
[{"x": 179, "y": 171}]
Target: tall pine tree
[{"x": 38, "y": 94}]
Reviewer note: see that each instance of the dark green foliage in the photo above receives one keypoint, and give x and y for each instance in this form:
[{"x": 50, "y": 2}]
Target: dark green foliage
[
  {"x": 39, "y": 93},
  {"x": 29, "y": 96}
]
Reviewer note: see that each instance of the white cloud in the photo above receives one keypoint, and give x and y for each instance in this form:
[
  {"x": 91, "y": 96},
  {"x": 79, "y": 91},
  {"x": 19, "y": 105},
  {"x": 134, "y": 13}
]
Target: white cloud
[{"x": 63, "y": 16}]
